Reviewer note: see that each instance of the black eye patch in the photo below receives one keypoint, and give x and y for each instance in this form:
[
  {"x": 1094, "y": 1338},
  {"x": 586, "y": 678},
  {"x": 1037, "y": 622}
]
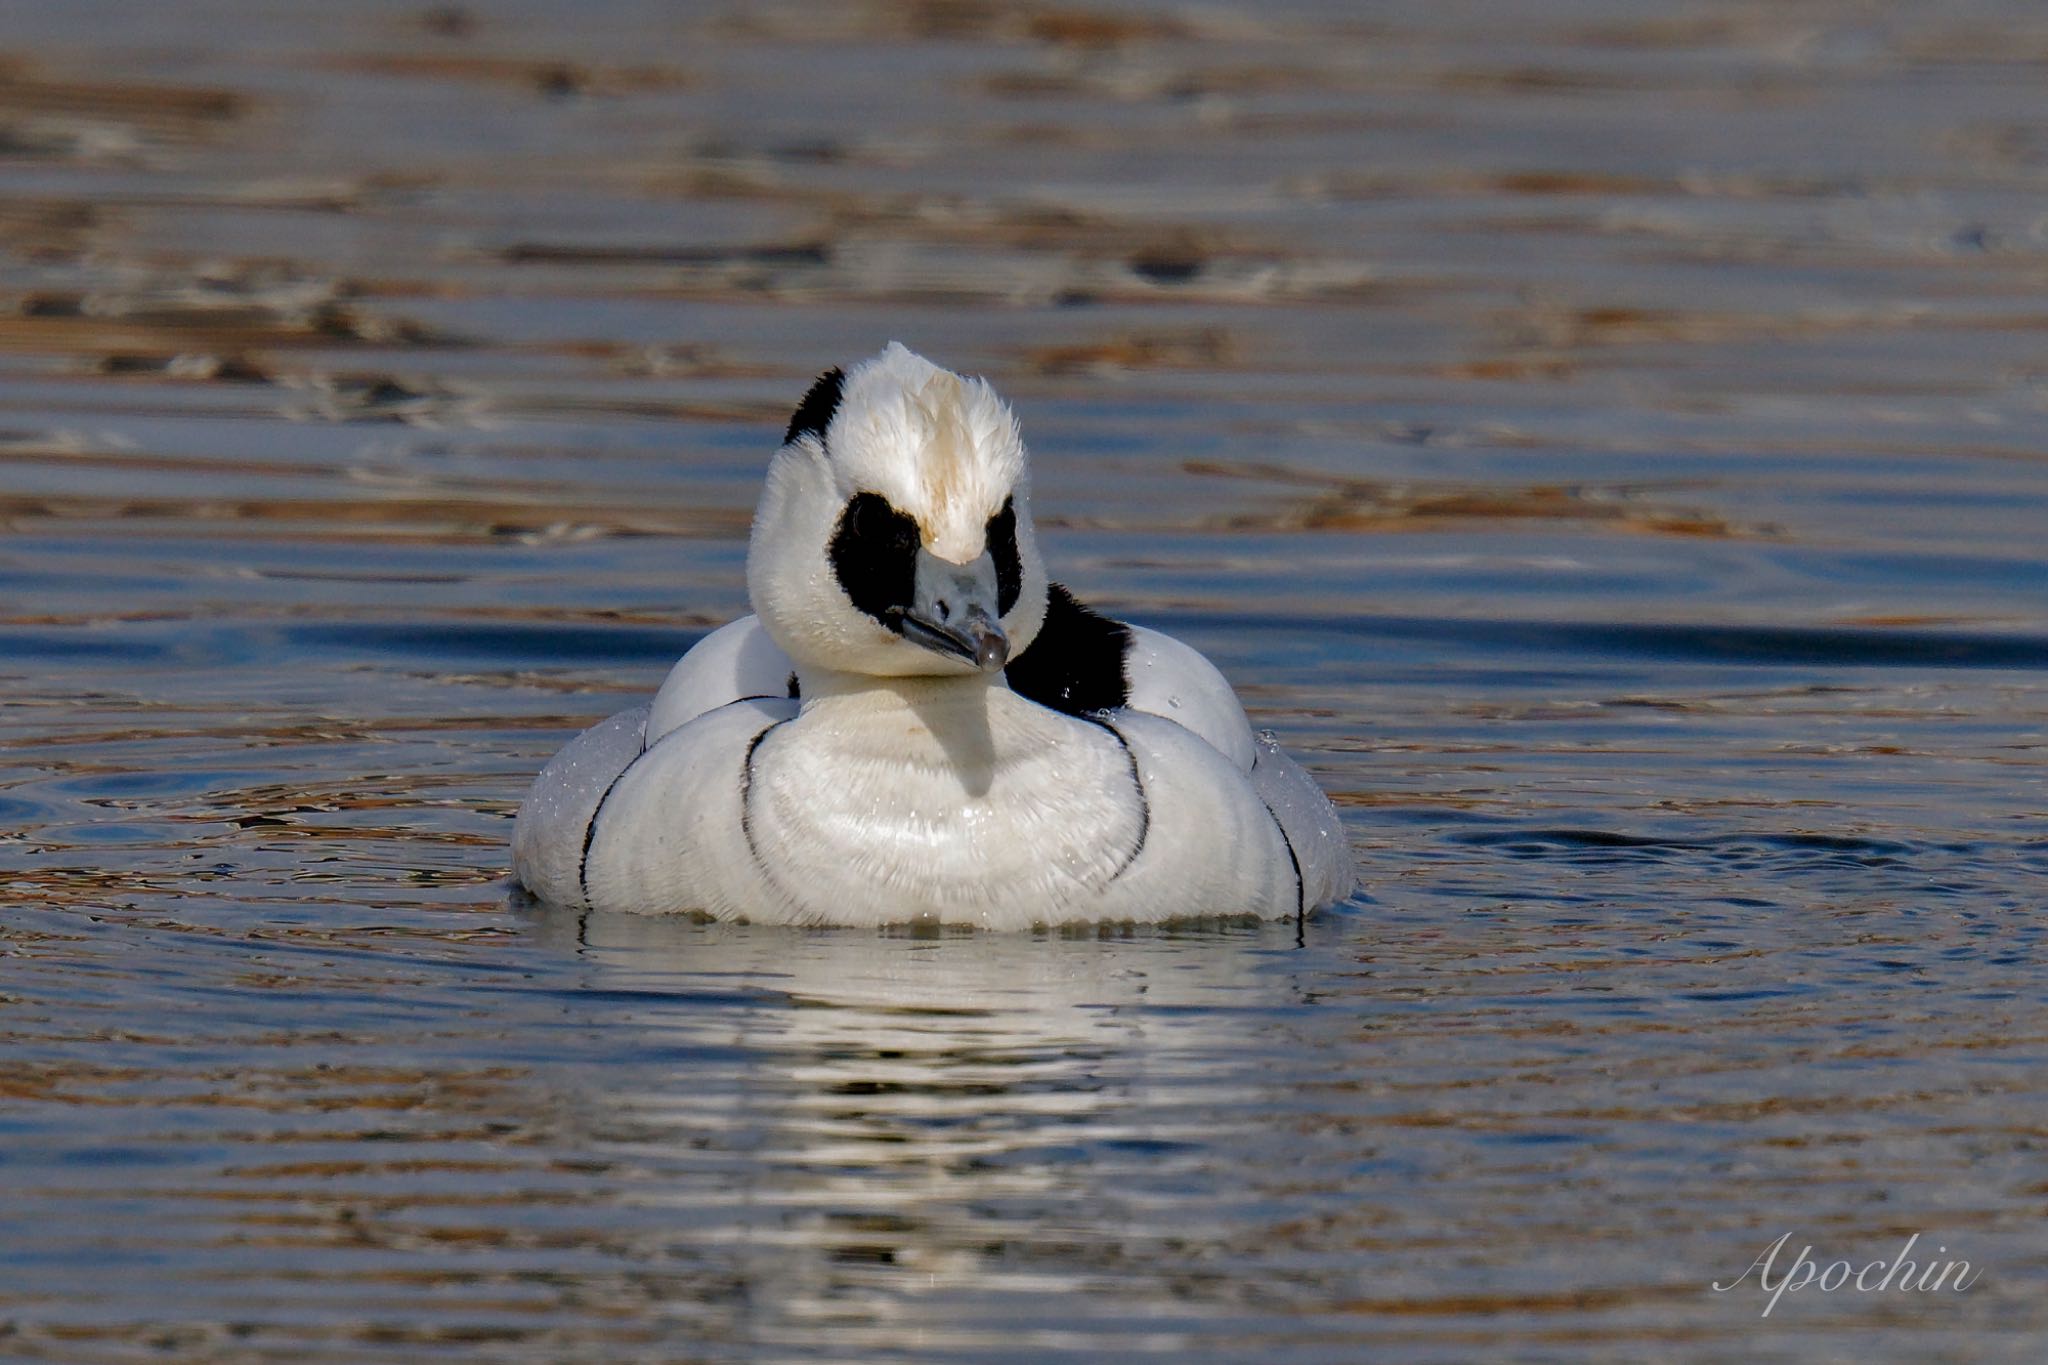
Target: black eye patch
[
  {"x": 874, "y": 556},
  {"x": 1002, "y": 547}
]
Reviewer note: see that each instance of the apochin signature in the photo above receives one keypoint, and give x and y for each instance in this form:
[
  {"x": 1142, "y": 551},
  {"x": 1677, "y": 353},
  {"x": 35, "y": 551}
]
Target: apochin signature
[{"x": 1873, "y": 1278}]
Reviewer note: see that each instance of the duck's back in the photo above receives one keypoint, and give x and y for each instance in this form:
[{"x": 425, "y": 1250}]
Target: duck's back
[{"x": 1088, "y": 664}]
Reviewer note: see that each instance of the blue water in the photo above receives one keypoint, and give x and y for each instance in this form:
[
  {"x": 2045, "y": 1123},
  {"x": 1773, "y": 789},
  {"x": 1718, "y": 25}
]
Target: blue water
[{"x": 1604, "y": 442}]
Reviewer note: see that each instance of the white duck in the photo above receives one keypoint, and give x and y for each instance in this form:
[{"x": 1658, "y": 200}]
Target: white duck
[{"x": 915, "y": 726}]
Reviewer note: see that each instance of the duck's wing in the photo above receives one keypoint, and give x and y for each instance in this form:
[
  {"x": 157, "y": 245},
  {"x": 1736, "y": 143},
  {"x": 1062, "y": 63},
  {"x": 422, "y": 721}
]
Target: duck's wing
[
  {"x": 552, "y": 836},
  {"x": 552, "y": 833},
  {"x": 1083, "y": 663},
  {"x": 1308, "y": 821},
  {"x": 736, "y": 662},
  {"x": 656, "y": 802},
  {"x": 1170, "y": 679}
]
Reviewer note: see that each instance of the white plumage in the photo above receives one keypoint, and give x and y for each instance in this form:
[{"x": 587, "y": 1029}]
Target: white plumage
[{"x": 970, "y": 745}]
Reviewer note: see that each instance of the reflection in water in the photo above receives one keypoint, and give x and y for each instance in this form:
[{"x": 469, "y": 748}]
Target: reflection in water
[
  {"x": 1546, "y": 1106},
  {"x": 919, "y": 1128},
  {"x": 1604, "y": 440}
]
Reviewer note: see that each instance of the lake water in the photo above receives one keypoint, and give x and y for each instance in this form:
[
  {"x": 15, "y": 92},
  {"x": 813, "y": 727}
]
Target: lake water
[{"x": 1605, "y": 441}]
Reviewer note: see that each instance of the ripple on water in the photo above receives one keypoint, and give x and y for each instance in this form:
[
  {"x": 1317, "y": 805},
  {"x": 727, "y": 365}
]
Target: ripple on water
[{"x": 1676, "y": 653}]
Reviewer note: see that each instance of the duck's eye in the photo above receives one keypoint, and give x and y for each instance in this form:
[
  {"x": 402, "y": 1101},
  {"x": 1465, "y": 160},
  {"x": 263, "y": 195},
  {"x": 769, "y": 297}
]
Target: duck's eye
[
  {"x": 1002, "y": 547},
  {"x": 874, "y": 555}
]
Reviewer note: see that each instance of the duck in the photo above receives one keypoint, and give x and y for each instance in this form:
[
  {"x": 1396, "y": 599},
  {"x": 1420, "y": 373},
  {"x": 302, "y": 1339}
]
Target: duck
[{"x": 915, "y": 726}]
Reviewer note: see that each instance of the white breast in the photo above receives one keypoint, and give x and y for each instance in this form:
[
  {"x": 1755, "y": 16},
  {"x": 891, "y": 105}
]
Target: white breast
[
  {"x": 878, "y": 808},
  {"x": 984, "y": 809}
]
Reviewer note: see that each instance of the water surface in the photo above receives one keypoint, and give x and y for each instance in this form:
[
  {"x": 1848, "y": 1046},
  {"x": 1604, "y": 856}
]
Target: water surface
[{"x": 1604, "y": 441}]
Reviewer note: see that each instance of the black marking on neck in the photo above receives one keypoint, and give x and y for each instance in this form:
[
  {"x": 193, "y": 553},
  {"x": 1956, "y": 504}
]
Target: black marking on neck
[
  {"x": 1076, "y": 663},
  {"x": 1001, "y": 538},
  {"x": 1138, "y": 786},
  {"x": 814, "y": 413},
  {"x": 874, "y": 557},
  {"x": 795, "y": 692}
]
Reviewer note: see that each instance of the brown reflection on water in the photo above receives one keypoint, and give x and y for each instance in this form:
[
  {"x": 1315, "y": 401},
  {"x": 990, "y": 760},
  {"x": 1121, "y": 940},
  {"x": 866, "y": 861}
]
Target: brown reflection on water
[
  {"x": 384, "y": 391},
  {"x": 1364, "y": 505}
]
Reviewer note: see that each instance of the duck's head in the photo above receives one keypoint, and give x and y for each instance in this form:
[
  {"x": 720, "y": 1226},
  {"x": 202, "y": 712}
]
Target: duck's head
[{"x": 894, "y": 535}]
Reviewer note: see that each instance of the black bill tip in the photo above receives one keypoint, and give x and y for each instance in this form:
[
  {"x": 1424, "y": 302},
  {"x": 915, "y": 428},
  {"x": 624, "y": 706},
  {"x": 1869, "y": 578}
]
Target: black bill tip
[{"x": 977, "y": 640}]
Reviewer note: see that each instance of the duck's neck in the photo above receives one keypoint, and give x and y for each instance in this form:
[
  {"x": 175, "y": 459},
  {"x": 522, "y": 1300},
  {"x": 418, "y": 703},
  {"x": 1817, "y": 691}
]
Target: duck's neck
[
  {"x": 949, "y": 722},
  {"x": 965, "y": 691}
]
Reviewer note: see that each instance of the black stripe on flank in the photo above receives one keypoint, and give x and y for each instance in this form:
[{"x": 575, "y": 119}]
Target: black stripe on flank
[
  {"x": 1076, "y": 663},
  {"x": 1138, "y": 786},
  {"x": 747, "y": 800},
  {"x": 590, "y": 830},
  {"x": 814, "y": 413},
  {"x": 1293, "y": 861}
]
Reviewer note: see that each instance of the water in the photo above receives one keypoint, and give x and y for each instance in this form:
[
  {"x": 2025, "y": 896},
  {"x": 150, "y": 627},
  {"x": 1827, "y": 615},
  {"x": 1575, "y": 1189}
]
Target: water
[{"x": 1604, "y": 441}]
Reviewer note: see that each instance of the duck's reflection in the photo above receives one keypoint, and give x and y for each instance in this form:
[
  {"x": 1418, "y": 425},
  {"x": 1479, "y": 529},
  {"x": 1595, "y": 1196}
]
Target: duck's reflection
[{"x": 895, "y": 1133}]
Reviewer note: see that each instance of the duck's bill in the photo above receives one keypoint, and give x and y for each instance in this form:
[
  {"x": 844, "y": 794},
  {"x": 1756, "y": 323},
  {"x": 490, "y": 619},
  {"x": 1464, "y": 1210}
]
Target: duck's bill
[
  {"x": 955, "y": 611},
  {"x": 977, "y": 640}
]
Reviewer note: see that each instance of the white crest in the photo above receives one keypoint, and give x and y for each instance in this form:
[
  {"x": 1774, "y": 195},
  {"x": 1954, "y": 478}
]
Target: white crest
[{"x": 942, "y": 449}]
